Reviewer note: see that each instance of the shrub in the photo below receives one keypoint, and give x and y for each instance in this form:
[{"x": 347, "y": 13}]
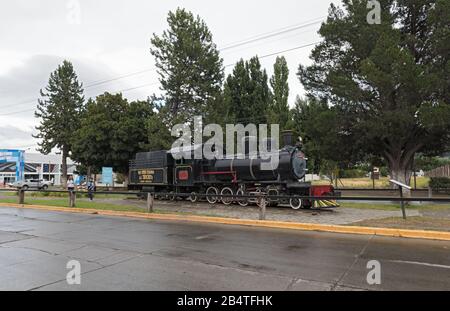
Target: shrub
[
  {"x": 384, "y": 171},
  {"x": 437, "y": 183}
]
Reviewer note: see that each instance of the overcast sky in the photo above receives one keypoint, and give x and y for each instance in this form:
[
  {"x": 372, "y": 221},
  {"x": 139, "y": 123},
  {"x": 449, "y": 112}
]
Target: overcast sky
[{"x": 106, "y": 39}]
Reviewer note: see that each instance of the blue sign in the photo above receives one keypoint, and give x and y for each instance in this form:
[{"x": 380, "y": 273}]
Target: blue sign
[
  {"x": 79, "y": 179},
  {"x": 107, "y": 175},
  {"x": 17, "y": 156}
]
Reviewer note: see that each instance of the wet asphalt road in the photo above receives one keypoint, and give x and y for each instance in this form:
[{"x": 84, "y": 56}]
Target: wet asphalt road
[{"x": 129, "y": 254}]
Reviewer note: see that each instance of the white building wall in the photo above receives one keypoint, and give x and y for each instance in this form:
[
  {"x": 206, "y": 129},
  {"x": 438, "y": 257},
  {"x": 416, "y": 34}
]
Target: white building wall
[{"x": 49, "y": 159}]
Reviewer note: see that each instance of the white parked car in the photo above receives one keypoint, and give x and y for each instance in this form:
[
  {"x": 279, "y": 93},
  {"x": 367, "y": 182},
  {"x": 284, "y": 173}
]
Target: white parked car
[{"x": 32, "y": 183}]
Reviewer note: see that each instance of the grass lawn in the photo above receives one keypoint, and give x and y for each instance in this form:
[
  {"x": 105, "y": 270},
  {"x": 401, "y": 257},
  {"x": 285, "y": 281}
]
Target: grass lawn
[
  {"x": 64, "y": 195},
  {"x": 415, "y": 222},
  {"x": 396, "y": 207},
  {"x": 8, "y": 193},
  {"x": 64, "y": 202},
  {"x": 365, "y": 182},
  {"x": 55, "y": 201}
]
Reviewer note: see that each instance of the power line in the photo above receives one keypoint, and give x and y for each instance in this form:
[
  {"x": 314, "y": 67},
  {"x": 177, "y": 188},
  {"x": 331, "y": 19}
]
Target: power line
[
  {"x": 263, "y": 37},
  {"x": 229, "y": 46},
  {"x": 120, "y": 91},
  {"x": 16, "y": 112},
  {"x": 99, "y": 82},
  {"x": 243, "y": 42},
  {"x": 226, "y": 47},
  {"x": 280, "y": 52},
  {"x": 34, "y": 100},
  {"x": 271, "y": 41},
  {"x": 154, "y": 83},
  {"x": 291, "y": 49}
]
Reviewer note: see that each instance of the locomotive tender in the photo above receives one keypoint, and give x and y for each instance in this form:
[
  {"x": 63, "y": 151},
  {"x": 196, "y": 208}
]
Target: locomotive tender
[{"x": 160, "y": 172}]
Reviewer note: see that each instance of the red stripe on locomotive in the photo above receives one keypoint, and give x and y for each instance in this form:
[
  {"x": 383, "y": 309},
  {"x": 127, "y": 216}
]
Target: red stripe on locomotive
[{"x": 317, "y": 191}]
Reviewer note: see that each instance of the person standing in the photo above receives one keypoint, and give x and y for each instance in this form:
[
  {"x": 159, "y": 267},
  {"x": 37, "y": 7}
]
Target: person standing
[
  {"x": 71, "y": 189},
  {"x": 91, "y": 189},
  {"x": 70, "y": 184}
]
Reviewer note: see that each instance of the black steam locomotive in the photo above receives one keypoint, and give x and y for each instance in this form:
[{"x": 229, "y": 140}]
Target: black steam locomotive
[{"x": 159, "y": 172}]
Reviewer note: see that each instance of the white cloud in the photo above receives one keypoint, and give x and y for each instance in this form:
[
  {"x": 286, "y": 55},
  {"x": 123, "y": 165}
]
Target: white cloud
[{"x": 11, "y": 59}]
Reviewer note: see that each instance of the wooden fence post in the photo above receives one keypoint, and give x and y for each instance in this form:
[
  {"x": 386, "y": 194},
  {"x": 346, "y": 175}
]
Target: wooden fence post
[
  {"x": 402, "y": 204},
  {"x": 21, "y": 196},
  {"x": 150, "y": 202},
  {"x": 262, "y": 208}
]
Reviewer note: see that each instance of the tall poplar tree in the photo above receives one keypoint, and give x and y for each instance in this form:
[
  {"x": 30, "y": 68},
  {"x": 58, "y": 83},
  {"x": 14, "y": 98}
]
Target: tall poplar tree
[
  {"x": 279, "y": 107},
  {"x": 246, "y": 93}
]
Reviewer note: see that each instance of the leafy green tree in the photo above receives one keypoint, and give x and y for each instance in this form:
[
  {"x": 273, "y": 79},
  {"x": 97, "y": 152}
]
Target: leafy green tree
[
  {"x": 279, "y": 107},
  {"x": 246, "y": 93},
  {"x": 326, "y": 143},
  {"x": 87, "y": 171},
  {"x": 60, "y": 110},
  {"x": 111, "y": 132},
  {"x": 389, "y": 82},
  {"x": 189, "y": 66}
]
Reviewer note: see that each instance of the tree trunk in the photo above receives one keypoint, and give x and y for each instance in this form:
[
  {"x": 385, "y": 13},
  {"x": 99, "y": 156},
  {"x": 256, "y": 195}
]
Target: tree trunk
[
  {"x": 64, "y": 168},
  {"x": 400, "y": 159},
  {"x": 400, "y": 170},
  {"x": 125, "y": 180}
]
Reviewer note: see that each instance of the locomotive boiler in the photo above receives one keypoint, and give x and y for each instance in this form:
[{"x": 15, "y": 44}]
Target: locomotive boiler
[{"x": 290, "y": 165}]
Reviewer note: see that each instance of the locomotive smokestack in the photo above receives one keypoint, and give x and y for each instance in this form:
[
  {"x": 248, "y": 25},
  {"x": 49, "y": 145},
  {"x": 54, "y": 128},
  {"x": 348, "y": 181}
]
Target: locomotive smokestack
[{"x": 287, "y": 138}]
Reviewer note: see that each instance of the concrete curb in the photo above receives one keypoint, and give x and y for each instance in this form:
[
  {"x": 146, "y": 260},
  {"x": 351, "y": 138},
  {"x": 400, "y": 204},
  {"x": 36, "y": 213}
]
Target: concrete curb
[{"x": 405, "y": 233}]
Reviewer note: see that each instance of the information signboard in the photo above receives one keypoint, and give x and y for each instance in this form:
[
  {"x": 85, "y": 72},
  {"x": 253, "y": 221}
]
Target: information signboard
[{"x": 107, "y": 175}]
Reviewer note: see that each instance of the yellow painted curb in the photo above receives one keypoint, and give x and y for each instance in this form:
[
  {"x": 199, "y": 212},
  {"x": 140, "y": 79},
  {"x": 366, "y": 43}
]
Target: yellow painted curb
[{"x": 405, "y": 233}]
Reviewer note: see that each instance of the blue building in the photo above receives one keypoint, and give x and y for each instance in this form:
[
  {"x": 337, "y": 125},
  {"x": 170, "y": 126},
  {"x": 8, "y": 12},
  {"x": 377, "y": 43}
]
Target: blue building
[{"x": 14, "y": 160}]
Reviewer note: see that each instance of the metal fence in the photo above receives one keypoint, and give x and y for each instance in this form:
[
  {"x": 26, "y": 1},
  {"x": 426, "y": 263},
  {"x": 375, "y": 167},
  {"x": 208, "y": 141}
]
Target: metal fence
[{"x": 261, "y": 199}]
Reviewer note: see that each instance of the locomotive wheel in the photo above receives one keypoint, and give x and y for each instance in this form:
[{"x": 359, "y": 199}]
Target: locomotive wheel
[
  {"x": 193, "y": 197},
  {"x": 212, "y": 191},
  {"x": 241, "y": 201},
  {"x": 172, "y": 196},
  {"x": 227, "y": 200},
  {"x": 295, "y": 203}
]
